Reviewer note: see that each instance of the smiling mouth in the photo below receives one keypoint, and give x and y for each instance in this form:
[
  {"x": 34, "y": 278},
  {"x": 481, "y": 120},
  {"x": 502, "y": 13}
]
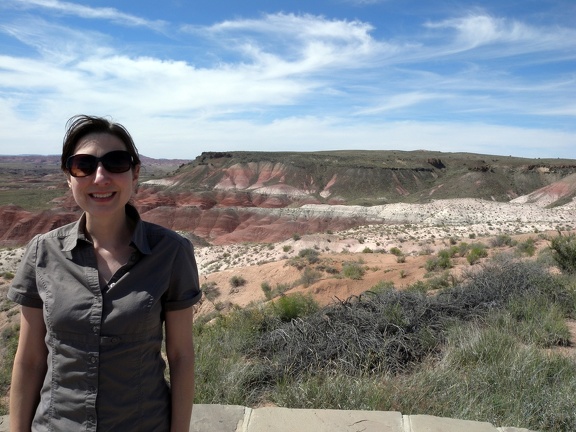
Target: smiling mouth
[{"x": 102, "y": 195}]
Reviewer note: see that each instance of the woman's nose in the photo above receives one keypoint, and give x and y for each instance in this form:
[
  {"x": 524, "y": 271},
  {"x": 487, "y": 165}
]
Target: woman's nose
[{"x": 101, "y": 175}]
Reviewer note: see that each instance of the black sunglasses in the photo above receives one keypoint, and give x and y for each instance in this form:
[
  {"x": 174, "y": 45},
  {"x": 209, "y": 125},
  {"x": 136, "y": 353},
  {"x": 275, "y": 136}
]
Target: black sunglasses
[{"x": 82, "y": 165}]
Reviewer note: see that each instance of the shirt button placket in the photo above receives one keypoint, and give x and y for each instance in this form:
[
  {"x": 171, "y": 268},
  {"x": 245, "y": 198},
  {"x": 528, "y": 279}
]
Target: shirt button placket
[{"x": 92, "y": 366}]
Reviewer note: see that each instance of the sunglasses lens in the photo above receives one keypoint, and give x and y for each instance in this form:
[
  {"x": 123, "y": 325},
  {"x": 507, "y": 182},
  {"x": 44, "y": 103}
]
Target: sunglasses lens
[
  {"x": 83, "y": 165},
  {"x": 117, "y": 161}
]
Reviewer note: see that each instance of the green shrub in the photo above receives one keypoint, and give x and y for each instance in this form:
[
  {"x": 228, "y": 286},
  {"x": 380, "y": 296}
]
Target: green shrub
[
  {"x": 221, "y": 374},
  {"x": 286, "y": 248},
  {"x": 453, "y": 251},
  {"x": 328, "y": 268},
  {"x": 267, "y": 289},
  {"x": 311, "y": 255},
  {"x": 502, "y": 240},
  {"x": 382, "y": 286},
  {"x": 353, "y": 270},
  {"x": 477, "y": 251},
  {"x": 527, "y": 247},
  {"x": 304, "y": 258},
  {"x": 396, "y": 251},
  {"x": 564, "y": 252},
  {"x": 442, "y": 261},
  {"x": 367, "y": 250},
  {"x": 309, "y": 276},
  {"x": 463, "y": 249},
  {"x": 237, "y": 281},
  {"x": 8, "y": 275},
  {"x": 210, "y": 290},
  {"x": 290, "y": 307}
]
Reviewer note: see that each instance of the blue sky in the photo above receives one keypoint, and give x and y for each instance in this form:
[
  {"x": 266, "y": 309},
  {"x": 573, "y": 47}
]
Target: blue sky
[{"x": 494, "y": 77}]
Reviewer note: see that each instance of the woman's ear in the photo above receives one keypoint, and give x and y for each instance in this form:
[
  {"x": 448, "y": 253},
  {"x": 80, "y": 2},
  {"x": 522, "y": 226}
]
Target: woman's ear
[{"x": 136, "y": 172}]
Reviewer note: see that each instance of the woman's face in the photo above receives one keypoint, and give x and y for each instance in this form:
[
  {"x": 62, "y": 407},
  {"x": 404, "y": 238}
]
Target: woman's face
[{"x": 103, "y": 194}]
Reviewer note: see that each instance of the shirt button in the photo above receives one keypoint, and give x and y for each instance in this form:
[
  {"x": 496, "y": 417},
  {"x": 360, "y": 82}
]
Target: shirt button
[
  {"x": 90, "y": 418},
  {"x": 111, "y": 285},
  {"x": 92, "y": 389},
  {"x": 93, "y": 360},
  {"x": 95, "y": 329}
]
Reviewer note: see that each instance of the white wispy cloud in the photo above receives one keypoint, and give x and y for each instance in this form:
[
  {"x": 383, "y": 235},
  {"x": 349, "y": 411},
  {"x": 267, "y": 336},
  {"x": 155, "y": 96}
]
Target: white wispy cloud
[
  {"x": 403, "y": 100},
  {"x": 105, "y": 13},
  {"x": 288, "y": 81},
  {"x": 511, "y": 37},
  {"x": 301, "y": 42}
]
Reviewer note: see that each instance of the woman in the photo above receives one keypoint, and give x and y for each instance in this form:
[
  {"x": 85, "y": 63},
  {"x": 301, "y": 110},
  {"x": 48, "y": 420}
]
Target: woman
[{"x": 95, "y": 296}]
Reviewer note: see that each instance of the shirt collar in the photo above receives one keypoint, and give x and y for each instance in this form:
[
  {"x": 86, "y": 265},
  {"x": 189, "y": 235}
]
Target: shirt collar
[{"x": 139, "y": 238}]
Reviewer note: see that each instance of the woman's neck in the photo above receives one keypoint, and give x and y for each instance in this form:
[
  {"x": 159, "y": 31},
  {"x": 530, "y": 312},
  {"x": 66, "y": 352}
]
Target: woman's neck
[{"x": 109, "y": 233}]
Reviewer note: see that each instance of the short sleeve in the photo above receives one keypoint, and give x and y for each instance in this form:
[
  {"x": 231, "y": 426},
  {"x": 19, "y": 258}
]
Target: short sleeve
[
  {"x": 184, "y": 290},
  {"x": 24, "y": 288}
]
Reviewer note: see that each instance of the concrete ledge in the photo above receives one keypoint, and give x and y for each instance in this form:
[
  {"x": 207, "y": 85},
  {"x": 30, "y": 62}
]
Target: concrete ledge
[
  {"x": 291, "y": 420},
  {"x": 234, "y": 418}
]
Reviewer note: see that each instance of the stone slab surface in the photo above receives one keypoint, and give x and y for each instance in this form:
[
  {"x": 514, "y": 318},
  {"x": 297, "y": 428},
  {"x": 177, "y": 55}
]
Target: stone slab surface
[
  {"x": 426, "y": 423},
  {"x": 234, "y": 418},
  {"x": 310, "y": 420},
  {"x": 512, "y": 429},
  {"x": 225, "y": 418}
]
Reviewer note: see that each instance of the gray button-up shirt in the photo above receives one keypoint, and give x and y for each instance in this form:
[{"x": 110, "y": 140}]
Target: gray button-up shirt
[{"x": 105, "y": 370}]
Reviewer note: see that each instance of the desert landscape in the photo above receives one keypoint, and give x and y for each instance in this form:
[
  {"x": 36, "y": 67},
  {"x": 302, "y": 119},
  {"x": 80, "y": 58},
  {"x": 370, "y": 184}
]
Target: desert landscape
[
  {"x": 420, "y": 231},
  {"x": 255, "y": 225},
  {"x": 249, "y": 214}
]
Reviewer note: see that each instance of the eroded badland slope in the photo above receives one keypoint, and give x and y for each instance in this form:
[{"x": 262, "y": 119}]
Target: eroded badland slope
[{"x": 224, "y": 198}]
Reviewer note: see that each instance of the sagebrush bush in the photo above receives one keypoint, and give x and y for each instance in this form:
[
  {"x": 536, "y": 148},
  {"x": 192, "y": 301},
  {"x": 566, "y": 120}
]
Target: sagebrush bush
[
  {"x": 502, "y": 240},
  {"x": 290, "y": 307},
  {"x": 564, "y": 252},
  {"x": 527, "y": 247},
  {"x": 309, "y": 276},
  {"x": 353, "y": 270},
  {"x": 476, "y": 251},
  {"x": 237, "y": 281},
  {"x": 311, "y": 255},
  {"x": 267, "y": 290},
  {"x": 463, "y": 248},
  {"x": 210, "y": 290},
  {"x": 442, "y": 261},
  {"x": 8, "y": 275}
]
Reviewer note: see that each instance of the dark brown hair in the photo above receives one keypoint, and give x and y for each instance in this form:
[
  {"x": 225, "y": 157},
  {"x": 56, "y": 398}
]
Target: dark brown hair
[{"x": 81, "y": 125}]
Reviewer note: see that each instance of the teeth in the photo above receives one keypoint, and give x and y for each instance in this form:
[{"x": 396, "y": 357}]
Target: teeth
[{"x": 102, "y": 195}]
